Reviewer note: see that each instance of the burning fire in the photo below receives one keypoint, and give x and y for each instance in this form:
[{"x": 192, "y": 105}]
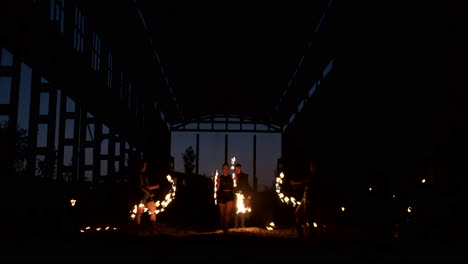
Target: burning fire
[
  {"x": 215, "y": 187},
  {"x": 98, "y": 228},
  {"x": 270, "y": 226},
  {"x": 72, "y": 202},
  {"x": 233, "y": 161},
  {"x": 283, "y": 198},
  {"x": 160, "y": 205},
  {"x": 241, "y": 208}
]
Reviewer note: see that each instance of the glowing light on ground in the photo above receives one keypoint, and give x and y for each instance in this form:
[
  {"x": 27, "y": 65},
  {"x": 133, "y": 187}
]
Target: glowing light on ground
[
  {"x": 72, "y": 202},
  {"x": 99, "y": 229},
  {"x": 270, "y": 226}
]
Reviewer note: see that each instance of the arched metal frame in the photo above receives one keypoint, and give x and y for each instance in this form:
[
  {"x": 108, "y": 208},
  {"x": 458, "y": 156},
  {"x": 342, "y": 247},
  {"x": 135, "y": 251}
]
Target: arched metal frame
[{"x": 255, "y": 126}]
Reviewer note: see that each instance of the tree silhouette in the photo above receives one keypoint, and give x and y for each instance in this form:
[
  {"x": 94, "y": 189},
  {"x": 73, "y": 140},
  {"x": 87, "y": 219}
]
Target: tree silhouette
[
  {"x": 189, "y": 157},
  {"x": 21, "y": 151},
  {"x": 22, "y": 147}
]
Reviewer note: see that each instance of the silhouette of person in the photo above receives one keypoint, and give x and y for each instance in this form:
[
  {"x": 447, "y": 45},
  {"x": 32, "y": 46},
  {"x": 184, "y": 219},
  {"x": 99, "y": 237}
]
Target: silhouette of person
[
  {"x": 244, "y": 191},
  {"x": 225, "y": 196},
  {"x": 146, "y": 195},
  {"x": 303, "y": 211}
]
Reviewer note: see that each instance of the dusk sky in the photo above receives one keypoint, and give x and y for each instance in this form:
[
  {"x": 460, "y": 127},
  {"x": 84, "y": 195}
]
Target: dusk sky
[{"x": 240, "y": 145}]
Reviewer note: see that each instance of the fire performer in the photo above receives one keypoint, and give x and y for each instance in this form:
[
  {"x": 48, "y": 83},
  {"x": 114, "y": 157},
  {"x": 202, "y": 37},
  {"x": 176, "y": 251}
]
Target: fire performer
[
  {"x": 146, "y": 196},
  {"x": 243, "y": 197},
  {"x": 225, "y": 196},
  {"x": 303, "y": 211}
]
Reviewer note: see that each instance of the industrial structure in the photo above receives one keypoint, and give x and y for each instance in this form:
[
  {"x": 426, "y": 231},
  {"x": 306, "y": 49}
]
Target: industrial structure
[{"x": 89, "y": 87}]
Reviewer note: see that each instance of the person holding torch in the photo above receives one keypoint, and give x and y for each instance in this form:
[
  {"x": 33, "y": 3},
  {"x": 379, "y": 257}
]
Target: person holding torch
[
  {"x": 303, "y": 211},
  {"x": 225, "y": 197}
]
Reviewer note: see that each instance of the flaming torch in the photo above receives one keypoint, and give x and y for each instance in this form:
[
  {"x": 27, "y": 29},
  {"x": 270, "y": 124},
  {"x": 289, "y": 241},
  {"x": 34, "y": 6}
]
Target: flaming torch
[
  {"x": 285, "y": 199},
  {"x": 233, "y": 161},
  {"x": 241, "y": 208},
  {"x": 215, "y": 187},
  {"x": 240, "y": 204},
  {"x": 160, "y": 205}
]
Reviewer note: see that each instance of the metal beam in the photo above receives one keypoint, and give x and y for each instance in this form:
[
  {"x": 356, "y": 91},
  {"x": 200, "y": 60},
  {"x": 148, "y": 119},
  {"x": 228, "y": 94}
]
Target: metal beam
[
  {"x": 226, "y": 148},
  {"x": 197, "y": 154},
  {"x": 255, "y": 163},
  {"x": 225, "y": 130},
  {"x": 194, "y": 124}
]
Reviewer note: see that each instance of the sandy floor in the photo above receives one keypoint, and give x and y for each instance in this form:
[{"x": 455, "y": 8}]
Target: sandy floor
[
  {"x": 283, "y": 232},
  {"x": 251, "y": 243}
]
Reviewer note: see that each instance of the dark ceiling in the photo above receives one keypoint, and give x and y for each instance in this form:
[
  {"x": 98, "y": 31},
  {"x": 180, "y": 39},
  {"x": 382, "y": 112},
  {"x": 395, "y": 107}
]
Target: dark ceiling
[{"x": 229, "y": 57}]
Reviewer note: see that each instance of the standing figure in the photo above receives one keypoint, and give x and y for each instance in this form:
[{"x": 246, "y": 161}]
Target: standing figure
[
  {"x": 303, "y": 211},
  {"x": 225, "y": 196},
  {"x": 146, "y": 195},
  {"x": 242, "y": 190}
]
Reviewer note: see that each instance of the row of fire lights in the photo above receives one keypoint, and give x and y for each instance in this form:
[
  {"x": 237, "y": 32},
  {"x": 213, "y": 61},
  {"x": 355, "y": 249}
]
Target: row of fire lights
[
  {"x": 241, "y": 208},
  {"x": 291, "y": 201}
]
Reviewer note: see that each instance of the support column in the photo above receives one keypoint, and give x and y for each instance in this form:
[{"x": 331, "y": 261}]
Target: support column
[
  {"x": 97, "y": 152},
  {"x": 255, "y": 163},
  {"x": 76, "y": 141},
  {"x": 50, "y": 119},
  {"x": 82, "y": 145},
  {"x": 111, "y": 153},
  {"x": 61, "y": 134},
  {"x": 197, "y": 153},
  {"x": 13, "y": 115},
  {"x": 226, "y": 148}
]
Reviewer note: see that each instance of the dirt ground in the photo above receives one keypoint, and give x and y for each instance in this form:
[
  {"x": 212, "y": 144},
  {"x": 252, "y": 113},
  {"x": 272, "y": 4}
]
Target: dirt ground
[{"x": 173, "y": 243}]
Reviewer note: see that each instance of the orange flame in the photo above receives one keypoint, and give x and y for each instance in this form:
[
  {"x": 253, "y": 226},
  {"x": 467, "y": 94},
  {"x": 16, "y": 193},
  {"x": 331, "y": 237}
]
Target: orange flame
[{"x": 241, "y": 208}]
